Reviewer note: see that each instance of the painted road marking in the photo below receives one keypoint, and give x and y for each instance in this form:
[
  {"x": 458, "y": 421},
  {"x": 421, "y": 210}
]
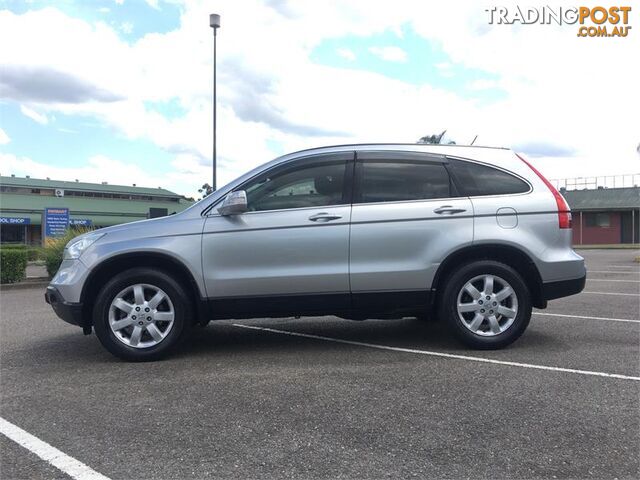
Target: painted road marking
[
  {"x": 440, "y": 354},
  {"x": 617, "y": 273},
  {"x": 69, "y": 465},
  {"x": 614, "y": 293},
  {"x": 588, "y": 318},
  {"x": 611, "y": 280}
]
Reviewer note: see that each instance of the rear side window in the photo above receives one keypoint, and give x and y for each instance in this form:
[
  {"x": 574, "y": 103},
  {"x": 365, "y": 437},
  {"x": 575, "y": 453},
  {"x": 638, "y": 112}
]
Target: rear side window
[
  {"x": 477, "y": 180},
  {"x": 394, "y": 181}
]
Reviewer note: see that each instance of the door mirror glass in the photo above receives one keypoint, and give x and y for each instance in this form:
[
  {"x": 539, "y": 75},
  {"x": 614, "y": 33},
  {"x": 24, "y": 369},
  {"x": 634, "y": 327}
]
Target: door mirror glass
[{"x": 234, "y": 204}]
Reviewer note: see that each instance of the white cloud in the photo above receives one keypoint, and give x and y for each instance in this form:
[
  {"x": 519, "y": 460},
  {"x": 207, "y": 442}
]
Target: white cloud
[
  {"x": 126, "y": 27},
  {"x": 40, "y": 118},
  {"x": 482, "y": 84},
  {"x": 445, "y": 69},
  {"x": 270, "y": 92},
  {"x": 4, "y": 138},
  {"x": 346, "y": 53},
  {"x": 390, "y": 54},
  {"x": 153, "y": 4},
  {"x": 100, "y": 168}
]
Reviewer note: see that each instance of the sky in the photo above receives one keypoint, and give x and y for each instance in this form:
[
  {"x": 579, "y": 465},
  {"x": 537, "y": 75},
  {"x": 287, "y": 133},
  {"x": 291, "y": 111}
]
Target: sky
[{"x": 120, "y": 90}]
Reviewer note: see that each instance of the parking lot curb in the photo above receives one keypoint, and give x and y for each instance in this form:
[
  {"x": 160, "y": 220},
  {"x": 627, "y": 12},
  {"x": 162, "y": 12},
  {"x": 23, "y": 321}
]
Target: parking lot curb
[
  {"x": 615, "y": 246},
  {"x": 22, "y": 285}
]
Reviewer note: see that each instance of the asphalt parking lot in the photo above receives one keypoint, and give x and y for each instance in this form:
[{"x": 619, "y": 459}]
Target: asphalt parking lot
[{"x": 368, "y": 399}]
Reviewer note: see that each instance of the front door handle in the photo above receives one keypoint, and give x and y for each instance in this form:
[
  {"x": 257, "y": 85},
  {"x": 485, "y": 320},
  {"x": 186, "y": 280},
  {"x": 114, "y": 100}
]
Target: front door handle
[
  {"x": 324, "y": 217},
  {"x": 448, "y": 210}
]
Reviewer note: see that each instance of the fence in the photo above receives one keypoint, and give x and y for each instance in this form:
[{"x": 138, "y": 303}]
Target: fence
[{"x": 592, "y": 183}]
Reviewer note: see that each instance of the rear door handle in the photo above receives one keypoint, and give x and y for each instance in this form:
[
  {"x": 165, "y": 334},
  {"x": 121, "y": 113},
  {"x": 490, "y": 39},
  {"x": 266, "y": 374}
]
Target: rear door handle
[
  {"x": 448, "y": 210},
  {"x": 324, "y": 217}
]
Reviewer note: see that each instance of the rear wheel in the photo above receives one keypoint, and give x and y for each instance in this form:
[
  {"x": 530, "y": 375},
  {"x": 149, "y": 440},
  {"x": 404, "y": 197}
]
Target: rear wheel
[
  {"x": 141, "y": 314},
  {"x": 486, "y": 304}
]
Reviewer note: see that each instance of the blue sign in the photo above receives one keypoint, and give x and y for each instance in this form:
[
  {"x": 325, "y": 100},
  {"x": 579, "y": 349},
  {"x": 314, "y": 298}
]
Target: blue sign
[
  {"x": 56, "y": 221},
  {"x": 15, "y": 220},
  {"x": 80, "y": 222}
]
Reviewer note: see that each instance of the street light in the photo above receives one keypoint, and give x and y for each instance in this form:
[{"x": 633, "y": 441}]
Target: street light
[{"x": 214, "y": 22}]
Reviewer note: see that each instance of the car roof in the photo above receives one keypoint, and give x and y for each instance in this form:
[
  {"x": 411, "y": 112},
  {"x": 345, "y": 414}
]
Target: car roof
[{"x": 419, "y": 147}]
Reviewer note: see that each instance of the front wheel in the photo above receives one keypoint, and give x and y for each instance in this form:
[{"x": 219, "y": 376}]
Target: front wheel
[
  {"x": 486, "y": 304},
  {"x": 141, "y": 314}
]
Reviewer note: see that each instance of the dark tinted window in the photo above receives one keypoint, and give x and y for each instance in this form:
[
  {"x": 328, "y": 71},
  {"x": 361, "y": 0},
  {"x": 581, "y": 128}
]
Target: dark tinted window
[
  {"x": 602, "y": 220},
  {"x": 311, "y": 185},
  {"x": 392, "y": 181},
  {"x": 476, "y": 179}
]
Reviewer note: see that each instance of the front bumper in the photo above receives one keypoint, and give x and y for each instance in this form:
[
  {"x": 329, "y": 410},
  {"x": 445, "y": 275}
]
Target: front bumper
[
  {"x": 563, "y": 288},
  {"x": 68, "y": 311}
]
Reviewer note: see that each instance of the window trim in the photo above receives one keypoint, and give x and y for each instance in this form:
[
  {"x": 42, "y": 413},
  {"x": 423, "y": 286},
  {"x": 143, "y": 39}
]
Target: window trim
[
  {"x": 310, "y": 160},
  {"x": 393, "y": 156},
  {"x": 462, "y": 191}
]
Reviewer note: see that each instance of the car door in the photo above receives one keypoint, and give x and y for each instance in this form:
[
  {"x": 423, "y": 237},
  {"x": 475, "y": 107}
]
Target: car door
[
  {"x": 406, "y": 218},
  {"x": 290, "y": 251}
]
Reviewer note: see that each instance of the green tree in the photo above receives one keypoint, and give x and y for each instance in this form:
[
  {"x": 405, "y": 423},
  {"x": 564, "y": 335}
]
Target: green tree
[
  {"x": 205, "y": 190},
  {"x": 432, "y": 139}
]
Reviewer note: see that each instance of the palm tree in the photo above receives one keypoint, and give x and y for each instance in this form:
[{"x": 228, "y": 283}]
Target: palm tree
[{"x": 432, "y": 139}]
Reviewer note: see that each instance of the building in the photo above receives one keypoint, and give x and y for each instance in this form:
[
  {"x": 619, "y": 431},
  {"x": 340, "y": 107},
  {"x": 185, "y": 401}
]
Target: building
[
  {"x": 23, "y": 202},
  {"x": 605, "y": 210},
  {"x": 605, "y": 215}
]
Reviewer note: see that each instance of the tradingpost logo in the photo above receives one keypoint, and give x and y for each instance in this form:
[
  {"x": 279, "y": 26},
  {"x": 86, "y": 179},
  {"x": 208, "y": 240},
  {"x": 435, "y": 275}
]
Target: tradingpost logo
[{"x": 592, "y": 21}]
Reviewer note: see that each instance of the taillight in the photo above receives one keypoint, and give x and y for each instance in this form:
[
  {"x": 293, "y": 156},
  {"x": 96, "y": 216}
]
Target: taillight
[{"x": 564, "y": 212}]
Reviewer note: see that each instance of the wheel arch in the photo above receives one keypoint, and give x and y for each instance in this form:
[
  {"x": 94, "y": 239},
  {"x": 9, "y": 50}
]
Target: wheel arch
[
  {"x": 156, "y": 260},
  {"x": 507, "y": 254}
]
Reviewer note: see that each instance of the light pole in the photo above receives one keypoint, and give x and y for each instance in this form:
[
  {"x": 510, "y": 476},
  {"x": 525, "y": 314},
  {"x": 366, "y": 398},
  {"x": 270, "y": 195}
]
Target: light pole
[{"x": 214, "y": 22}]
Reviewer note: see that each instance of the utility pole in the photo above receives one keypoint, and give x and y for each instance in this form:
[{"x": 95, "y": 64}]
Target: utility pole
[{"x": 214, "y": 22}]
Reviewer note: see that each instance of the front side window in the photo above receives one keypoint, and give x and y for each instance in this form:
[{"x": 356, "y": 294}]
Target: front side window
[
  {"x": 309, "y": 185},
  {"x": 478, "y": 180},
  {"x": 394, "y": 181}
]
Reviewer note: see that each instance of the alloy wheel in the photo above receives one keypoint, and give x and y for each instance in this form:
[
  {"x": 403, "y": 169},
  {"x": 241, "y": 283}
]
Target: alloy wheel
[
  {"x": 487, "y": 305},
  {"x": 141, "y": 315}
]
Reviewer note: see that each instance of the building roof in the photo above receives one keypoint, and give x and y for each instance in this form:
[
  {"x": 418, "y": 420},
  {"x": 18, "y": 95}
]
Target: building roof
[
  {"x": 603, "y": 198},
  {"x": 102, "y": 211},
  {"x": 83, "y": 186}
]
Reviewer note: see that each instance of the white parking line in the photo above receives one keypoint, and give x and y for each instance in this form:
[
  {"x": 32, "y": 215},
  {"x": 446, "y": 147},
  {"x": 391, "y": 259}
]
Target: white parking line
[
  {"x": 69, "y": 465},
  {"x": 613, "y": 293},
  {"x": 440, "y": 354},
  {"x": 617, "y": 273},
  {"x": 611, "y": 280},
  {"x": 588, "y": 318}
]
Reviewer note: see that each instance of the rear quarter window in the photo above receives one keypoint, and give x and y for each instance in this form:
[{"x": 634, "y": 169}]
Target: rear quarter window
[{"x": 481, "y": 180}]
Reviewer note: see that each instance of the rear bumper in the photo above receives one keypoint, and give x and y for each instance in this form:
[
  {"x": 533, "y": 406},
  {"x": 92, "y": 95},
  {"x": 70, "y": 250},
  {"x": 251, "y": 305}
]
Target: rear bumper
[
  {"x": 67, "y": 311},
  {"x": 563, "y": 288}
]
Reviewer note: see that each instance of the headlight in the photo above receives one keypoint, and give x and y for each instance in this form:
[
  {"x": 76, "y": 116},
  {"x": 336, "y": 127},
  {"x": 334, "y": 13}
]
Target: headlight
[{"x": 78, "y": 245}]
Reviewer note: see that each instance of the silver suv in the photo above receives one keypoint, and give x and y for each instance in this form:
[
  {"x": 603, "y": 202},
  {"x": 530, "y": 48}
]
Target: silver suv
[{"x": 472, "y": 236}]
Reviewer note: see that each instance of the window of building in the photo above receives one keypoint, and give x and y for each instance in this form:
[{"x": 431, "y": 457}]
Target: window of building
[
  {"x": 394, "y": 181},
  {"x": 602, "y": 220},
  {"x": 481, "y": 180},
  {"x": 12, "y": 233}
]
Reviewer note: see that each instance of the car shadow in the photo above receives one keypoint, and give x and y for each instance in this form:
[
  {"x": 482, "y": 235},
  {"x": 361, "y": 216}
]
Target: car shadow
[{"x": 223, "y": 340}]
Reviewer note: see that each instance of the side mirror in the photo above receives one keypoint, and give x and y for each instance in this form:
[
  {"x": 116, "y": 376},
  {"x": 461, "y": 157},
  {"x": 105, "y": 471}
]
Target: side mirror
[{"x": 234, "y": 204}]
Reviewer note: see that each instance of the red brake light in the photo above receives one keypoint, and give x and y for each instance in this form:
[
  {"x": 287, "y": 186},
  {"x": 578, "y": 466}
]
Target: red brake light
[{"x": 564, "y": 212}]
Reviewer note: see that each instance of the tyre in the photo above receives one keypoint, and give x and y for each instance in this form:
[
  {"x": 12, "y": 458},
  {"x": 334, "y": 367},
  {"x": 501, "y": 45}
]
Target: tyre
[
  {"x": 142, "y": 314},
  {"x": 485, "y": 304}
]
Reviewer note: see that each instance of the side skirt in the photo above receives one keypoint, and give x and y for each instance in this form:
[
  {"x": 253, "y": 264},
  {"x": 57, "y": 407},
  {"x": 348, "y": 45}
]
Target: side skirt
[{"x": 357, "y": 306}]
